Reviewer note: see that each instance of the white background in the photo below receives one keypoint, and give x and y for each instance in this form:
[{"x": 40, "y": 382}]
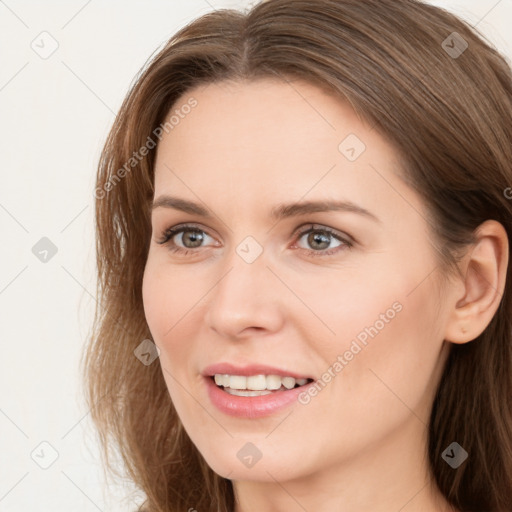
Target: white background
[{"x": 55, "y": 114}]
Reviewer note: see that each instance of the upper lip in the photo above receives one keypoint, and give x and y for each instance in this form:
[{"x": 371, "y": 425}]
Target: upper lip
[{"x": 252, "y": 369}]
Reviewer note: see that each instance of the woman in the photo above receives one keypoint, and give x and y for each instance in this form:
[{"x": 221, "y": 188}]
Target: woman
[{"x": 248, "y": 368}]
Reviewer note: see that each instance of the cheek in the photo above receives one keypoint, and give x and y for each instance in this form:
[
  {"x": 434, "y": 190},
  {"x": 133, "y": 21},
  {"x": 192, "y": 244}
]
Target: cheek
[
  {"x": 163, "y": 308},
  {"x": 393, "y": 372},
  {"x": 154, "y": 299},
  {"x": 165, "y": 298},
  {"x": 386, "y": 335},
  {"x": 350, "y": 303},
  {"x": 171, "y": 308}
]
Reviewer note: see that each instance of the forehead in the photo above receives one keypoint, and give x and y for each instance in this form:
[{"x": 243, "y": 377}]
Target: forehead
[
  {"x": 268, "y": 140},
  {"x": 264, "y": 114}
]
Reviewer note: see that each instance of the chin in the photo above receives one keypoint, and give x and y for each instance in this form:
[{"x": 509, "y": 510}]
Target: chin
[{"x": 236, "y": 464}]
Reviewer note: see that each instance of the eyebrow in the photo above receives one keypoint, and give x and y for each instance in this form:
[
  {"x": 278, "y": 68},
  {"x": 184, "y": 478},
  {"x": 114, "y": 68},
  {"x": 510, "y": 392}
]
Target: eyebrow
[{"x": 278, "y": 212}]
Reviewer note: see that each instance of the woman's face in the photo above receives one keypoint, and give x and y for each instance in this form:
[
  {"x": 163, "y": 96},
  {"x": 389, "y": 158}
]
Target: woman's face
[{"x": 346, "y": 298}]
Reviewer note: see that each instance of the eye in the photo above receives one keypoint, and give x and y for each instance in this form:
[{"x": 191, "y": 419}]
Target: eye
[
  {"x": 192, "y": 236},
  {"x": 321, "y": 237},
  {"x": 318, "y": 237}
]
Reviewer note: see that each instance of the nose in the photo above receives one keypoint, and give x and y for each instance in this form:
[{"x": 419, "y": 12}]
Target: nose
[{"x": 246, "y": 299}]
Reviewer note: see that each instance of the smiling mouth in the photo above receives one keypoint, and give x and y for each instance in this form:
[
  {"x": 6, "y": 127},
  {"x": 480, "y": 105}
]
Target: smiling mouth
[{"x": 257, "y": 385}]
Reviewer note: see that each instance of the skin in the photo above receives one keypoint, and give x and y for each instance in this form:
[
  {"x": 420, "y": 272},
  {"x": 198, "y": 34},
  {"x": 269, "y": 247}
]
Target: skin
[{"x": 360, "y": 444}]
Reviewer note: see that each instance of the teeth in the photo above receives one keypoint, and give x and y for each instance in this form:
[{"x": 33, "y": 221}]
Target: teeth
[
  {"x": 273, "y": 382},
  {"x": 289, "y": 382},
  {"x": 256, "y": 382}
]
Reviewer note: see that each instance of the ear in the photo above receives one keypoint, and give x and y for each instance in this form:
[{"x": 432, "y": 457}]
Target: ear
[{"x": 477, "y": 299}]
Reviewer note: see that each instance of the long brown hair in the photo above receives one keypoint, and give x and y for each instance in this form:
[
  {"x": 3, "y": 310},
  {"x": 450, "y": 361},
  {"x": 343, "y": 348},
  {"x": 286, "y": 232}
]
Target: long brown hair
[{"x": 436, "y": 90}]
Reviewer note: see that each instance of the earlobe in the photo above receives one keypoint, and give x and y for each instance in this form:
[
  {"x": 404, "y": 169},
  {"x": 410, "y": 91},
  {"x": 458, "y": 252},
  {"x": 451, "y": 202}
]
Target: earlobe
[{"x": 485, "y": 275}]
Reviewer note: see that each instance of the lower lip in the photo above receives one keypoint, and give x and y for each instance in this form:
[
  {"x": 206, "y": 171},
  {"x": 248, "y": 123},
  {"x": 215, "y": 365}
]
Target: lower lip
[{"x": 251, "y": 406}]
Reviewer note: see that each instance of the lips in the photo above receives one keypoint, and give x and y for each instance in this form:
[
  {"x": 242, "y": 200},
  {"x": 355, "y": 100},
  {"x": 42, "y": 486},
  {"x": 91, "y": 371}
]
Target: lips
[
  {"x": 265, "y": 403},
  {"x": 250, "y": 407}
]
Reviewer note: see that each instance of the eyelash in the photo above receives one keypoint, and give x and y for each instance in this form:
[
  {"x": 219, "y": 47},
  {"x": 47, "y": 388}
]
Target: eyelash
[{"x": 169, "y": 233}]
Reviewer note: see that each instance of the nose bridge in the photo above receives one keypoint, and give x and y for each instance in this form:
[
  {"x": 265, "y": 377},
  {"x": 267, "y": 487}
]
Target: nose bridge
[{"x": 245, "y": 295}]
